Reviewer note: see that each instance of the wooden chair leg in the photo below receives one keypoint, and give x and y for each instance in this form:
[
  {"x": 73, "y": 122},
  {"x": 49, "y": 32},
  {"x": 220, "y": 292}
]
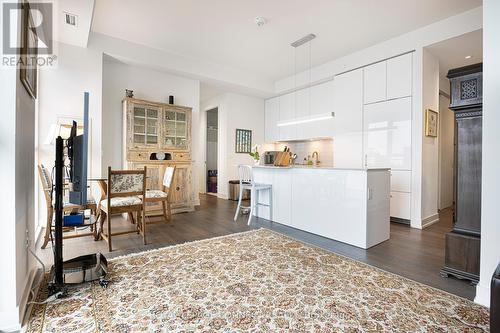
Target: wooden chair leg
[
  {"x": 138, "y": 218},
  {"x": 100, "y": 225},
  {"x": 131, "y": 217},
  {"x": 169, "y": 210},
  {"x": 108, "y": 220},
  {"x": 144, "y": 227},
  {"x": 48, "y": 227},
  {"x": 165, "y": 215}
]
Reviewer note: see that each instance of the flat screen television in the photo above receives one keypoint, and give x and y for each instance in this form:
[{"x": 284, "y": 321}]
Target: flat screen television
[{"x": 78, "y": 157}]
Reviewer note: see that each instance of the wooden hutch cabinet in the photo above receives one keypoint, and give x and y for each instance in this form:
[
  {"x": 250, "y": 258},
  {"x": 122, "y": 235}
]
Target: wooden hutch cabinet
[{"x": 158, "y": 135}]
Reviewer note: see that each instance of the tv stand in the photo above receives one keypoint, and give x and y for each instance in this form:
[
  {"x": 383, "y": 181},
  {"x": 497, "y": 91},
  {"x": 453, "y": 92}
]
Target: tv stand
[{"x": 84, "y": 268}]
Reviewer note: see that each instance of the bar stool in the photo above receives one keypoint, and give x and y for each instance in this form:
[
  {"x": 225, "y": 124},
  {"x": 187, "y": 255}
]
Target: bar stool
[{"x": 247, "y": 183}]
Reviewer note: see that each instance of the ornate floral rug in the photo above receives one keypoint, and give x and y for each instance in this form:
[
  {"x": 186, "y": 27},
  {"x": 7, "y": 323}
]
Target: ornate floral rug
[{"x": 254, "y": 281}]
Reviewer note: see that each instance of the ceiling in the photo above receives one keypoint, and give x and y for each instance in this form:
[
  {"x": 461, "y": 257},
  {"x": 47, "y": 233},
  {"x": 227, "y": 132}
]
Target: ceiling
[
  {"x": 452, "y": 52},
  {"x": 224, "y": 32}
]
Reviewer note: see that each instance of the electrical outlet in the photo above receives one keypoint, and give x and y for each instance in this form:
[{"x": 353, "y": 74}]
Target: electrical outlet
[{"x": 27, "y": 238}]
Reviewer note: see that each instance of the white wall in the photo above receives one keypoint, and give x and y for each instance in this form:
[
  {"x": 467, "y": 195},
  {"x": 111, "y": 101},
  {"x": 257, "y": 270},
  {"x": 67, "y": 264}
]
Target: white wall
[
  {"x": 235, "y": 111},
  {"x": 446, "y": 152},
  {"x": 490, "y": 226},
  {"x": 61, "y": 96},
  {"x": 17, "y": 152},
  {"x": 430, "y": 145}
]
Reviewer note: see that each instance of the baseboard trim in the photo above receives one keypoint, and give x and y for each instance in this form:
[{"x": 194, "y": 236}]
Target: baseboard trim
[
  {"x": 482, "y": 295},
  {"x": 430, "y": 220},
  {"x": 30, "y": 282}
]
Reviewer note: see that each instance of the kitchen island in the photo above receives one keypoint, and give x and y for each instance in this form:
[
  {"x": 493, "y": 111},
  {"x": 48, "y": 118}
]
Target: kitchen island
[{"x": 347, "y": 205}]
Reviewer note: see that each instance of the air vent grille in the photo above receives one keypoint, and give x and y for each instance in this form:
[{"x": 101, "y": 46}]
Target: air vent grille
[{"x": 70, "y": 19}]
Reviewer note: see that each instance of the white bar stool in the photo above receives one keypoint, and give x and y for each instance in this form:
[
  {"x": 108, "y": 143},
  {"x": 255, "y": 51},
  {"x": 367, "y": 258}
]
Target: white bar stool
[{"x": 247, "y": 183}]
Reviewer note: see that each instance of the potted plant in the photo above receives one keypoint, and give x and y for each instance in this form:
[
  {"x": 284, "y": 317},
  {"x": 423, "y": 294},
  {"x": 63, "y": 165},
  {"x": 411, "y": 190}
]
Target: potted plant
[{"x": 255, "y": 154}]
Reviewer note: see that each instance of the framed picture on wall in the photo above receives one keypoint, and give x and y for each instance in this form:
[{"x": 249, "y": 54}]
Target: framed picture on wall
[
  {"x": 431, "y": 123},
  {"x": 243, "y": 141},
  {"x": 29, "y": 44}
]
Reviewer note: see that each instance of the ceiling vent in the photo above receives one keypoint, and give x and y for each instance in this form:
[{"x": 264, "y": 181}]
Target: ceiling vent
[{"x": 70, "y": 19}]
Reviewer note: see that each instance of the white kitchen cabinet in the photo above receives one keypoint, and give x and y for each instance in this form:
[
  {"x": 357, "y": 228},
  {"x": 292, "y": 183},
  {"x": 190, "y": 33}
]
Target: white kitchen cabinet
[
  {"x": 282, "y": 197},
  {"x": 375, "y": 82},
  {"x": 401, "y": 180},
  {"x": 287, "y": 112},
  {"x": 350, "y": 206},
  {"x": 387, "y": 134},
  {"x": 272, "y": 111},
  {"x": 302, "y": 110},
  {"x": 399, "y": 76},
  {"x": 348, "y": 120},
  {"x": 401, "y": 205},
  {"x": 322, "y": 96}
]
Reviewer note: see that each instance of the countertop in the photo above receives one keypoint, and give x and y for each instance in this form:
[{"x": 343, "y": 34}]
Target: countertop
[{"x": 320, "y": 167}]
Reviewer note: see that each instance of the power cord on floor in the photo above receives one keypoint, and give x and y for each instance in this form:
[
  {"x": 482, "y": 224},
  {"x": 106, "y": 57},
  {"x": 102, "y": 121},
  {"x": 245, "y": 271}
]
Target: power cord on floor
[{"x": 32, "y": 293}]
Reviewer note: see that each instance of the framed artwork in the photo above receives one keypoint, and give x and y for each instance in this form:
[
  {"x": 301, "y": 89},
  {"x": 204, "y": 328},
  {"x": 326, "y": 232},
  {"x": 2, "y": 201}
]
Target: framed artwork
[
  {"x": 431, "y": 123},
  {"x": 29, "y": 44},
  {"x": 243, "y": 141}
]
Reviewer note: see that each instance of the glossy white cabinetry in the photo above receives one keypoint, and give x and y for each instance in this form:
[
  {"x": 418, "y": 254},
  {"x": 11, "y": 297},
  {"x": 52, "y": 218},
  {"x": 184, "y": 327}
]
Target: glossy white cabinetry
[
  {"x": 399, "y": 76},
  {"x": 348, "y": 120},
  {"x": 401, "y": 205},
  {"x": 375, "y": 82},
  {"x": 348, "y": 205},
  {"x": 287, "y": 112},
  {"x": 401, "y": 180},
  {"x": 272, "y": 113},
  {"x": 322, "y": 98},
  {"x": 387, "y": 134},
  {"x": 302, "y": 110}
]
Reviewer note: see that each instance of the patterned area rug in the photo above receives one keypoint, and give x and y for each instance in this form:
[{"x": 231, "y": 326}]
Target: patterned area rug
[{"x": 254, "y": 281}]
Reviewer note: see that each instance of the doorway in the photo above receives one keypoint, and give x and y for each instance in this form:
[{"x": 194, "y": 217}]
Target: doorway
[{"x": 211, "y": 150}]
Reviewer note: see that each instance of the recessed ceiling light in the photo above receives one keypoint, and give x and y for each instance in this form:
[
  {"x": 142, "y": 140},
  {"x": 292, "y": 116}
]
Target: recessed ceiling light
[{"x": 468, "y": 57}]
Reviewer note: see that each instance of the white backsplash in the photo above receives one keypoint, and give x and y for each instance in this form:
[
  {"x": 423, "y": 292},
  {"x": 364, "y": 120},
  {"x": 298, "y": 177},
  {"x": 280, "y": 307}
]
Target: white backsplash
[{"x": 303, "y": 149}]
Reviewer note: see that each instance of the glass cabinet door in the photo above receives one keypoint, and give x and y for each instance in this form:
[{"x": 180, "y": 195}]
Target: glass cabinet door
[
  {"x": 145, "y": 125},
  {"x": 175, "y": 130}
]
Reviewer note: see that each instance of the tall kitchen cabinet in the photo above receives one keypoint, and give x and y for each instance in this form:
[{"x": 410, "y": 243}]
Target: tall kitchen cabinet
[
  {"x": 348, "y": 122},
  {"x": 158, "y": 135},
  {"x": 387, "y": 127}
]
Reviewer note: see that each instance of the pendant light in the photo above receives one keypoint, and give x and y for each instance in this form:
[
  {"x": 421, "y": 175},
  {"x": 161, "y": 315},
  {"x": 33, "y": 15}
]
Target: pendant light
[{"x": 309, "y": 118}]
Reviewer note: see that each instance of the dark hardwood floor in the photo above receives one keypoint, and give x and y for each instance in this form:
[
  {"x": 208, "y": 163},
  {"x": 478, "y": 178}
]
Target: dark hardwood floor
[{"x": 415, "y": 254}]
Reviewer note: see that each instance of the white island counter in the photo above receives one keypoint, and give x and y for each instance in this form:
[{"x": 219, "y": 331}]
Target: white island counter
[{"x": 347, "y": 205}]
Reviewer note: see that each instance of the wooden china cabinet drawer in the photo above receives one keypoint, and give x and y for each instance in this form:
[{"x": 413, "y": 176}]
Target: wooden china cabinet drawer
[
  {"x": 182, "y": 156},
  {"x": 138, "y": 156}
]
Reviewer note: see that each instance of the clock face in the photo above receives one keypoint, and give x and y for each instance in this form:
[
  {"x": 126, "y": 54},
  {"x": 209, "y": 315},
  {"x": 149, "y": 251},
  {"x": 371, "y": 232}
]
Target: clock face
[{"x": 160, "y": 156}]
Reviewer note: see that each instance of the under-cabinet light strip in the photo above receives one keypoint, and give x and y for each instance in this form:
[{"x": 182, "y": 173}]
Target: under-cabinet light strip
[{"x": 308, "y": 119}]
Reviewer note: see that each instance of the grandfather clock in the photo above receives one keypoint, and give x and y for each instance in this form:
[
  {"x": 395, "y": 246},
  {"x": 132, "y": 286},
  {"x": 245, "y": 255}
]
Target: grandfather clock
[{"x": 463, "y": 242}]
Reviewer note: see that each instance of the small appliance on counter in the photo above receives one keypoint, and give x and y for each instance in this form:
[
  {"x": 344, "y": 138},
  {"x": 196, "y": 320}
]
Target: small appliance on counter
[{"x": 270, "y": 157}]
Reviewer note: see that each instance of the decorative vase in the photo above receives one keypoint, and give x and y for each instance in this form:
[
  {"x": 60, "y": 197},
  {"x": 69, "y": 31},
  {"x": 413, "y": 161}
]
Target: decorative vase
[
  {"x": 171, "y": 99},
  {"x": 256, "y": 162},
  {"x": 129, "y": 93}
]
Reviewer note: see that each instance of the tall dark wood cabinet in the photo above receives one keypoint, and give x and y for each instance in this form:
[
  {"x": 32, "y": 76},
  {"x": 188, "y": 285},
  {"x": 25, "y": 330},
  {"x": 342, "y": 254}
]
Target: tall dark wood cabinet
[{"x": 463, "y": 242}]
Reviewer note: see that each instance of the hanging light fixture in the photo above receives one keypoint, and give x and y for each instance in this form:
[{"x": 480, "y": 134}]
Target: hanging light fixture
[{"x": 310, "y": 118}]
